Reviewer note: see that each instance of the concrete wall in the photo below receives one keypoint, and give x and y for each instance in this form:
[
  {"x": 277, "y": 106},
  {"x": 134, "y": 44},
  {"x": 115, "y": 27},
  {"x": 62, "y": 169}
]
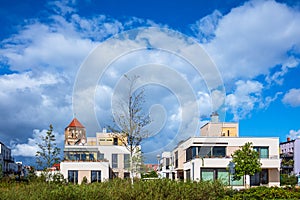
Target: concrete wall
[
  {"x": 220, "y": 129},
  {"x": 274, "y": 177}
]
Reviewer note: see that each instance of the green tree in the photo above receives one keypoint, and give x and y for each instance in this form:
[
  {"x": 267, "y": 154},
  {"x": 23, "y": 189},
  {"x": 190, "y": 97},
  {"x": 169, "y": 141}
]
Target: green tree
[
  {"x": 246, "y": 161},
  {"x": 132, "y": 121},
  {"x": 48, "y": 152}
]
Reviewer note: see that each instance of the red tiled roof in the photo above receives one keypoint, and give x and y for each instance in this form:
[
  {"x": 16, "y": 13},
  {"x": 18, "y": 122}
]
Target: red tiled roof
[
  {"x": 75, "y": 123},
  {"x": 56, "y": 166}
]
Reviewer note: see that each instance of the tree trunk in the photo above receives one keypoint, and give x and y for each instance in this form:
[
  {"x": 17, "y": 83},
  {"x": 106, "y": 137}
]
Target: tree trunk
[{"x": 131, "y": 167}]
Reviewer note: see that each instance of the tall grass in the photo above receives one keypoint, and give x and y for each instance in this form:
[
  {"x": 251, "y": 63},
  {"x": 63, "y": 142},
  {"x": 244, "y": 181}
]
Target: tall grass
[
  {"x": 141, "y": 190},
  {"x": 115, "y": 189}
]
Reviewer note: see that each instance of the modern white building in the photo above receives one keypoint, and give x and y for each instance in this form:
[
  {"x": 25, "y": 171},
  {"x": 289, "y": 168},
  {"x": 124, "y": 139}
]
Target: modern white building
[
  {"x": 166, "y": 168},
  {"x": 103, "y": 156},
  {"x": 92, "y": 171},
  {"x": 207, "y": 157}
]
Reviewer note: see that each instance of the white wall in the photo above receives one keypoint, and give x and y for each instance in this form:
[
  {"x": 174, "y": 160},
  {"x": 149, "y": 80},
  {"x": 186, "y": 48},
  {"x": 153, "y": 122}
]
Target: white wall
[{"x": 85, "y": 168}]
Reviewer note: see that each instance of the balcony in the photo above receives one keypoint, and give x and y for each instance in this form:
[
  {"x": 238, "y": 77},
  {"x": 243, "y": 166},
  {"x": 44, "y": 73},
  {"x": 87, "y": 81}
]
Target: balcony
[
  {"x": 272, "y": 161},
  {"x": 287, "y": 155},
  {"x": 8, "y": 159}
]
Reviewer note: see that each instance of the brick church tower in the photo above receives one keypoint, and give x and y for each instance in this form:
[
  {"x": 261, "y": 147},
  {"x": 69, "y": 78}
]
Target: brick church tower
[{"x": 75, "y": 133}]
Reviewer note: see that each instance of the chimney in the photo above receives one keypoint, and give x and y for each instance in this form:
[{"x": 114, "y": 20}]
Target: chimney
[
  {"x": 214, "y": 117},
  {"x": 104, "y": 130},
  {"x": 288, "y": 139}
]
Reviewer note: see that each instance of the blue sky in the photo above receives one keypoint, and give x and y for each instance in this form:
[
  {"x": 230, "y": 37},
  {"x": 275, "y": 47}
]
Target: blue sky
[{"x": 253, "y": 45}]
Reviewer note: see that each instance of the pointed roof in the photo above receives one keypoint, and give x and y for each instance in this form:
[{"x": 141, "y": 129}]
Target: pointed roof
[{"x": 75, "y": 123}]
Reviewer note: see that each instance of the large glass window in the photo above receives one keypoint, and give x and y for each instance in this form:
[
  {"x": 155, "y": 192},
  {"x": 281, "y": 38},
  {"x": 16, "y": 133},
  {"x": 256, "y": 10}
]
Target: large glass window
[
  {"x": 73, "y": 176},
  {"x": 236, "y": 182},
  {"x": 262, "y": 151},
  {"x": 207, "y": 174},
  {"x": 223, "y": 176},
  {"x": 204, "y": 151},
  {"x": 215, "y": 174},
  {"x": 219, "y": 151},
  {"x": 260, "y": 178},
  {"x": 126, "y": 161},
  {"x": 114, "y": 160},
  {"x": 95, "y": 176}
]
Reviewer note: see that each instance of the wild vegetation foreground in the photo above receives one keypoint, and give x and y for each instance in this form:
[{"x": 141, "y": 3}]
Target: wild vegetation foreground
[{"x": 151, "y": 189}]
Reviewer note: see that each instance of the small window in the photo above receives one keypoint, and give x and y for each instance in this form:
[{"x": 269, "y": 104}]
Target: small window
[
  {"x": 115, "y": 141},
  {"x": 91, "y": 157},
  {"x": 73, "y": 176},
  {"x": 100, "y": 156},
  {"x": 167, "y": 163},
  {"x": 95, "y": 176},
  {"x": 114, "y": 160},
  {"x": 126, "y": 161}
]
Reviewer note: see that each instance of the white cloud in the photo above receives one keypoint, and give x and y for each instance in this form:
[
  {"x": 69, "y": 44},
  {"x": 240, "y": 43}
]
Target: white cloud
[
  {"x": 244, "y": 99},
  {"x": 205, "y": 27},
  {"x": 253, "y": 38},
  {"x": 30, "y": 148},
  {"x": 278, "y": 76},
  {"x": 292, "y": 97},
  {"x": 293, "y": 134}
]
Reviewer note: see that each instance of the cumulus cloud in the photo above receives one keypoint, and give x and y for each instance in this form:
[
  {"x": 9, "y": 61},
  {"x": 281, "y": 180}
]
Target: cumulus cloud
[
  {"x": 243, "y": 100},
  {"x": 293, "y": 134},
  {"x": 253, "y": 38},
  {"x": 292, "y": 97},
  {"x": 30, "y": 148},
  {"x": 205, "y": 28}
]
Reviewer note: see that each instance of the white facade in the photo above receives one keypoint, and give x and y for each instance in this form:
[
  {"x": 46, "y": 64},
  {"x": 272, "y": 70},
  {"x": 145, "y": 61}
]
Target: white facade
[
  {"x": 166, "y": 166},
  {"x": 93, "y": 171},
  {"x": 6, "y": 160},
  {"x": 207, "y": 158},
  {"x": 115, "y": 159}
]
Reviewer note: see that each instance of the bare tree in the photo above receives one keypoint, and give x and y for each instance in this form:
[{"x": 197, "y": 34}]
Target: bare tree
[{"x": 132, "y": 121}]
